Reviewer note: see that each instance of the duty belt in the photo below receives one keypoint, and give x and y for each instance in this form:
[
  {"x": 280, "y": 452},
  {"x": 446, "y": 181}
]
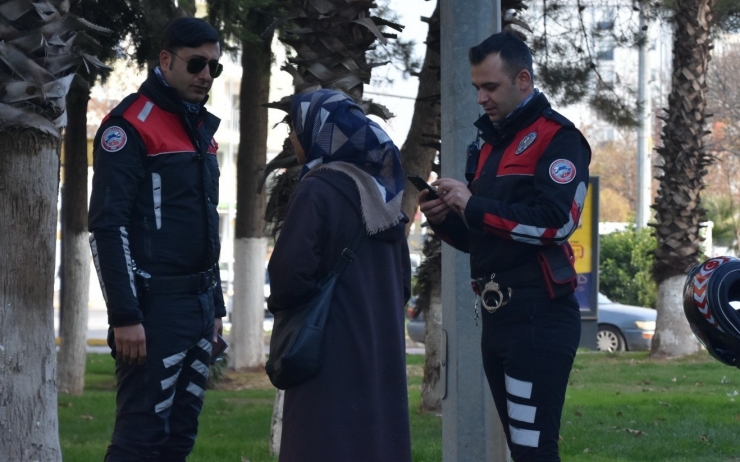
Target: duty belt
[
  {"x": 496, "y": 290},
  {"x": 188, "y": 284}
]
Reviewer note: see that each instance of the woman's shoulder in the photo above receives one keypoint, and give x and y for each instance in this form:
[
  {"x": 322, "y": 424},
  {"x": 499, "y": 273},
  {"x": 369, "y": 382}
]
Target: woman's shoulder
[{"x": 330, "y": 183}]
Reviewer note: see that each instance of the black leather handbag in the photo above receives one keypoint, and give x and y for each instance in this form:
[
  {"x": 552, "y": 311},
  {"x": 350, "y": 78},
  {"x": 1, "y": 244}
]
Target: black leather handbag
[{"x": 298, "y": 333}]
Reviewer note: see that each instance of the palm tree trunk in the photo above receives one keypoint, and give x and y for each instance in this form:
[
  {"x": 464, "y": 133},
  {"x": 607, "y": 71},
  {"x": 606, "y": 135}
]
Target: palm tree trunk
[
  {"x": 421, "y": 145},
  {"x": 75, "y": 248},
  {"x": 250, "y": 245},
  {"x": 432, "y": 385},
  {"x": 29, "y": 178},
  {"x": 678, "y": 205},
  {"x": 276, "y": 425}
]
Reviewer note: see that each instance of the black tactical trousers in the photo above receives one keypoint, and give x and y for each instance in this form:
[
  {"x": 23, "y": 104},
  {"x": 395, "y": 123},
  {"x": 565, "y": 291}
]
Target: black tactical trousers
[
  {"x": 158, "y": 403},
  {"x": 528, "y": 348}
]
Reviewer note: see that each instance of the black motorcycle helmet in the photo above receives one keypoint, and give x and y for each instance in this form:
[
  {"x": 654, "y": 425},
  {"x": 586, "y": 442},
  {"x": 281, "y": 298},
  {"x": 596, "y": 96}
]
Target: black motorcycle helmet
[{"x": 709, "y": 289}]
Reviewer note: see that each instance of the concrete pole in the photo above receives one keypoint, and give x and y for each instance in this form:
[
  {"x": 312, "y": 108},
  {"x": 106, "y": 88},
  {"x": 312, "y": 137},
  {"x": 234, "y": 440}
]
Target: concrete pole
[
  {"x": 644, "y": 166},
  {"x": 471, "y": 430}
]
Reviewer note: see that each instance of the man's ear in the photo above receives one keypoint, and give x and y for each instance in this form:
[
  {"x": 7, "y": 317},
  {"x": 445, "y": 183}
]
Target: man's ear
[
  {"x": 165, "y": 58},
  {"x": 524, "y": 80}
]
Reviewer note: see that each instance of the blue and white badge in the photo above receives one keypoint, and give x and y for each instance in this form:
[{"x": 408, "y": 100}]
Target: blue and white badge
[
  {"x": 113, "y": 139},
  {"x": 526, "y": 142},
  {"x": 562, "y": 171}
]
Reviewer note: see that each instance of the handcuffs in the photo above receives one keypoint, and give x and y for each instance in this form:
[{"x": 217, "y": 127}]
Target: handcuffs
[{"x": 498, "y": 298}]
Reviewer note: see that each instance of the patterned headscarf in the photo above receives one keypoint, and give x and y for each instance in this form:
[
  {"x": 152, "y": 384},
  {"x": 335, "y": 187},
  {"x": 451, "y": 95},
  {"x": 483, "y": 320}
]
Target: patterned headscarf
[{"x": 331, "y": 127}]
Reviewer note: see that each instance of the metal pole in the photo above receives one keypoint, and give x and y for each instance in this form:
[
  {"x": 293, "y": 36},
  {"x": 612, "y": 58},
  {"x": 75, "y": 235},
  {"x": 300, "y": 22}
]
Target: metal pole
[
  {"x": 644, "y": 168},
  {"x": 471, "y": 430}
]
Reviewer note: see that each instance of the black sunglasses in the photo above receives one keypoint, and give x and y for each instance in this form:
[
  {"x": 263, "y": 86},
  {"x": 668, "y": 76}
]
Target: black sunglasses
[{"x": 198, "y": 63}]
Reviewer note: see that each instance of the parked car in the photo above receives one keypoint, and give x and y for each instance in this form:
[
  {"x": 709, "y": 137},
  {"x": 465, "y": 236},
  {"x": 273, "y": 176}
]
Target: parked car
[
  {"x": 621, "y": 327},
  {"x": 624, "y": 327},
  {"x": 415, "y": 327}
]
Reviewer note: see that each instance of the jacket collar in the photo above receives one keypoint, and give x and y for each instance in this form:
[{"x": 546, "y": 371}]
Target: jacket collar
[{"x": 517, "y": 120}]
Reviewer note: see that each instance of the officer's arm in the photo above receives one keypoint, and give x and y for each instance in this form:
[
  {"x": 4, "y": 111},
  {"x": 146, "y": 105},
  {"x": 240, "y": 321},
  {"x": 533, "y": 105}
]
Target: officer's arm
[
  {"x": 448, "y": 226},
  {"x": 453, "y": 231},
  {"x": 118, "y": 173},
  {"x": 560, "y": 186}
]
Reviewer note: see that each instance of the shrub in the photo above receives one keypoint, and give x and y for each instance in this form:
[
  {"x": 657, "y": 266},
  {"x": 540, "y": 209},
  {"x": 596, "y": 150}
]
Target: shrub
[{"x": 625, "y": 265}]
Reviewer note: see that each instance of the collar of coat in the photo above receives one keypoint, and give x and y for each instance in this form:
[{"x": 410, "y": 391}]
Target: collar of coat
[{"x": 521, "y": 117}]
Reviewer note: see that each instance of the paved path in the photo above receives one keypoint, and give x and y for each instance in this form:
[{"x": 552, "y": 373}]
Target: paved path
[{"x": 97, "y": 332}]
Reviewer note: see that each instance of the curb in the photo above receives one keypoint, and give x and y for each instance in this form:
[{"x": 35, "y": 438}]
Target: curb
[{"x": 98, "y": 342}]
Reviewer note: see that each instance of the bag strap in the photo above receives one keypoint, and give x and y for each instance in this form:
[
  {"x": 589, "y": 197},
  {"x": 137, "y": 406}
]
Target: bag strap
[{"x": 349, "y": 252}]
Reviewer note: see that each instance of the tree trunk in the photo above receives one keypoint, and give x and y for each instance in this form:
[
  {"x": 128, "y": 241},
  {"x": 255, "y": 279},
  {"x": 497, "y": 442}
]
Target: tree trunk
[
  {"x": 420, "y": 147},
  {"x": 276, "y": 426},
  {"x": 75, "y": 249},
  {"x": 29, "y": 180},
  {"x": 673, "y": 336},
  {"x": 678, "y": 205},
  {"x": 432, "y": 385},
  {"x": 250, "y": 246}
]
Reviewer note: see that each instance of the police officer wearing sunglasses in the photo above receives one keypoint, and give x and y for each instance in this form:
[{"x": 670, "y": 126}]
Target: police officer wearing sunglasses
[{"x": 154, "y": 239}]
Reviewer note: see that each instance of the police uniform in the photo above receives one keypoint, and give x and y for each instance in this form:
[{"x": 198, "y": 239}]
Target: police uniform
[
  {"x": 529, "y": 182},
  {"x": 154, "y": 238}
]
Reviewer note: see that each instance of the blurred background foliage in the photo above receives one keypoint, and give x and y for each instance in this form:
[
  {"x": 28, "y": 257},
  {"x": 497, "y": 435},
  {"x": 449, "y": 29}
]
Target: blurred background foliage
[{"x": 625, "y": 265}]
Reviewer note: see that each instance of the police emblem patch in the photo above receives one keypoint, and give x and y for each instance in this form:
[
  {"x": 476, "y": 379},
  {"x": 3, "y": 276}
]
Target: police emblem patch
[
  {"x": 526, "y": 142},
  {"x": 113, "y": 139},
  {"x": 562, "y": 171}
]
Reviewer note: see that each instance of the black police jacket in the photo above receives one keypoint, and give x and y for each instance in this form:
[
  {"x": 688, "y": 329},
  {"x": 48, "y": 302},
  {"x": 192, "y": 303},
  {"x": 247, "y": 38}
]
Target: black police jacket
[
  {"x": 529, "y": 186},
  {"x": 154, "y": 197}
]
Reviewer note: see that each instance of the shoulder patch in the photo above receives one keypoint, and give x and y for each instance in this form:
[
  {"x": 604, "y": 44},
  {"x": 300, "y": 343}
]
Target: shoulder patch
[
  {"x": 562, "y": 171},
  {"x": 526, "y": 142},
  {"x": 113, "y": 139}
]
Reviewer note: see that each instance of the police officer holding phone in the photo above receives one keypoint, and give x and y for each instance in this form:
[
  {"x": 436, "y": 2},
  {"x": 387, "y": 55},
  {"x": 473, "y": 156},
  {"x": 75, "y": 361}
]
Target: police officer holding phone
[
  {"x": 523, "y": 199},
  {"x": 154, "y": 238}
]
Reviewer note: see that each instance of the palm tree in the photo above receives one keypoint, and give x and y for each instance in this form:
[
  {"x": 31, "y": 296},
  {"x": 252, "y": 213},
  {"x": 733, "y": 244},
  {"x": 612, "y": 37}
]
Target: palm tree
[
  {"x": 42, "y": 45},
  {"x": 331, "y": 42},
  {"x": 678, "y": 206}
]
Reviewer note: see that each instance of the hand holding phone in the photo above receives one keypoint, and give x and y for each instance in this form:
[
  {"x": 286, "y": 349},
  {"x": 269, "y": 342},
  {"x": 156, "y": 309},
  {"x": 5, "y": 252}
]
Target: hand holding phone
[
  {"x": 421, "y": 185},
  {"x": 217, "y": 348}
]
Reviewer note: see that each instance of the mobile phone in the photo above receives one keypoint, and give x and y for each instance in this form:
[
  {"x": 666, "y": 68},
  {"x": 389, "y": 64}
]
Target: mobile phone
[
  {"x": 217, "y": 348},
  {"x": 421, "y": 185}
]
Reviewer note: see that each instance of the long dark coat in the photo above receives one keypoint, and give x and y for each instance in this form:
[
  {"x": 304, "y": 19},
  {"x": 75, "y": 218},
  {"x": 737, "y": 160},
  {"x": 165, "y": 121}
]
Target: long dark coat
[{"x": 356, "y": 408}]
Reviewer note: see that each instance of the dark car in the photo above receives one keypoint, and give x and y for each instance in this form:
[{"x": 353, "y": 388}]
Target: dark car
[{"x": 621, "y": 327}]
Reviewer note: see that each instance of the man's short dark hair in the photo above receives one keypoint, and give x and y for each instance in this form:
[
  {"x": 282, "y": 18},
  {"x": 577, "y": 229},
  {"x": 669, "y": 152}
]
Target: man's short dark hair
[
  {"x": 188, "y": 32},
  {"x": 513, "y": 51}
]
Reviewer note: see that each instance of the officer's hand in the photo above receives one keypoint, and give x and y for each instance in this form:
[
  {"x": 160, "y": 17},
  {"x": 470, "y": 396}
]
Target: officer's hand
[
  {"x": 131, "y": 343},
  {"x": 454, "y": 193},
  {"x": 218, "y": 328},
  {"x": 435, "y": 209}
]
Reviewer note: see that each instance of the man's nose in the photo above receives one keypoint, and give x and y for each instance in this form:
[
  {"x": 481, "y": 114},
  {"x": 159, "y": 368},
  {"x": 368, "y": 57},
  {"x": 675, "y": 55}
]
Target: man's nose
[
  {"x": 482, "y": 96},
  {"x": 205, "y": 74}
]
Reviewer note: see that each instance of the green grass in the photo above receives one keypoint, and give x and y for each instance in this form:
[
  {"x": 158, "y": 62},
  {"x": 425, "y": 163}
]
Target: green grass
[
  {"x": 625, "y": 407},
  {"x": 619, "y": 407}
]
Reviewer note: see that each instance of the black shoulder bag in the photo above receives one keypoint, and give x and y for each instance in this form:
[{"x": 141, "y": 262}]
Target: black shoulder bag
[{"x": 298, "y": 333}]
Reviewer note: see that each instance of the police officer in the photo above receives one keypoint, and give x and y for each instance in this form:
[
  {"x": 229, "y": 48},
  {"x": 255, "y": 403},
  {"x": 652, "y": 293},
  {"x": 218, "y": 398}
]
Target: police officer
[
  {"x": 154, "y": 238},
  {"x": 525, "y": 192}
]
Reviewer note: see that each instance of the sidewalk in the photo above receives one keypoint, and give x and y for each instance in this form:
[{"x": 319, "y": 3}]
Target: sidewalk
[{"x": 97, "y": 326}]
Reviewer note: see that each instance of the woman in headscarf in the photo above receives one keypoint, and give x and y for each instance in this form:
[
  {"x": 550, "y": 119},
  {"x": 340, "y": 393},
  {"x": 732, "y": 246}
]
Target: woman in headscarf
[{"x": 356, "y": 408}]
